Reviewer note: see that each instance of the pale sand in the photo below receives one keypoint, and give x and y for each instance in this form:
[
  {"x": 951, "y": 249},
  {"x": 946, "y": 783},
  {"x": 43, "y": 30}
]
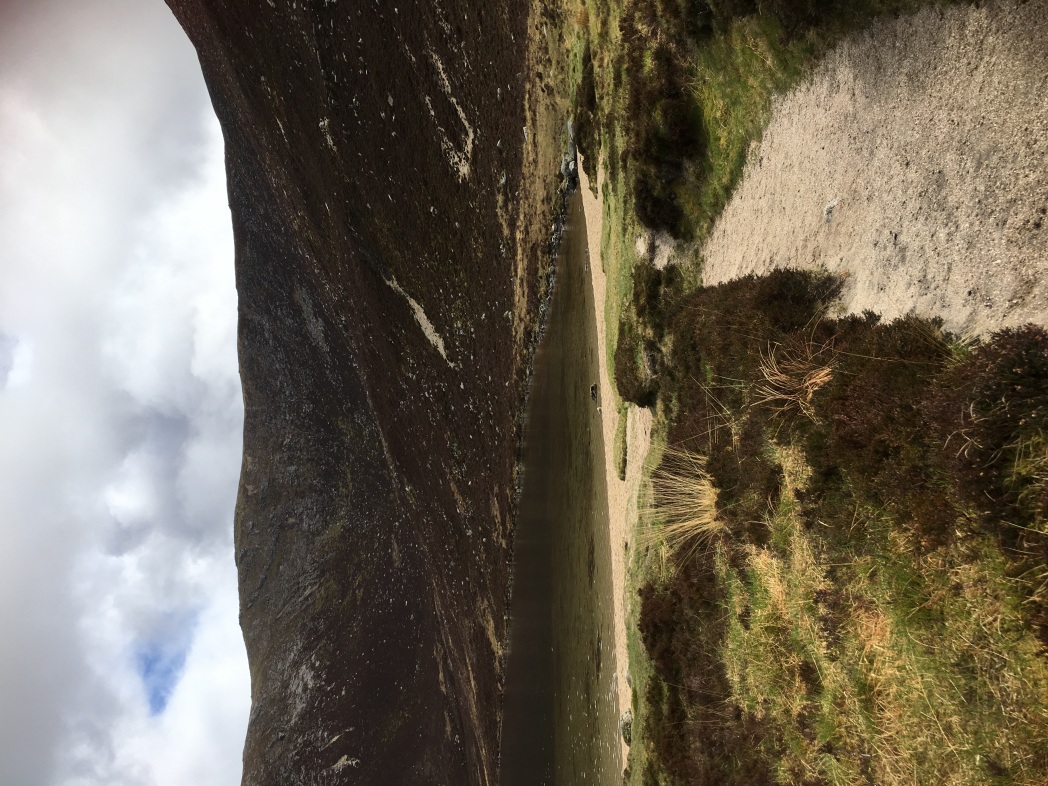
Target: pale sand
[
  {"x": 915, "y": 162},
  {"x": 622, "y": 495}
]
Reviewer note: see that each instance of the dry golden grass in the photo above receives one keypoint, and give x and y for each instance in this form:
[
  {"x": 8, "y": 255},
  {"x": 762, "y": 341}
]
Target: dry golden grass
[
  {"x": 792, "y": 378},
  {"x": 582, "y": 18},
  {"x": 795, "y": 470},
  {"x": 684, "y": 509}
]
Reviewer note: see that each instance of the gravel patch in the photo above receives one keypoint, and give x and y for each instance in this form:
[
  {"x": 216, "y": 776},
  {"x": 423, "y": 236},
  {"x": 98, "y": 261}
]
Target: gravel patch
[{"x": 914, "y": 161}]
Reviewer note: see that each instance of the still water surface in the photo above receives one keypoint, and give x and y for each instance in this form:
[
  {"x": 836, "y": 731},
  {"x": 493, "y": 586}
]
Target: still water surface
[{"x": 559, "y": 718}]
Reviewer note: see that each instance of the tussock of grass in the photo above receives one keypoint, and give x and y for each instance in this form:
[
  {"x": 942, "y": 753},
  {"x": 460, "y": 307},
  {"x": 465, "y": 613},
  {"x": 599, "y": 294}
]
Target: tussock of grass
[
  {"x": 684, "y": 514},
  {"x": 791, "y": 380}
]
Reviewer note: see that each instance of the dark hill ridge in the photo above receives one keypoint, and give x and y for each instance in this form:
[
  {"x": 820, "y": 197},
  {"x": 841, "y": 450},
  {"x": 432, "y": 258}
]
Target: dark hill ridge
[{"x": 374, "y": 153}]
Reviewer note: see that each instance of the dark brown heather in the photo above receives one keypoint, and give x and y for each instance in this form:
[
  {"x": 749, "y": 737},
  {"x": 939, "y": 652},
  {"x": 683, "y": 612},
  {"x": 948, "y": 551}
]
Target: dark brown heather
[{"x": 374, "y": 153}]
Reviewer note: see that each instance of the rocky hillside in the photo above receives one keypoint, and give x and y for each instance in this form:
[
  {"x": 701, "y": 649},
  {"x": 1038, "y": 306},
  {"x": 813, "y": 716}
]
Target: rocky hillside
[{"x": 374, "y": 155}]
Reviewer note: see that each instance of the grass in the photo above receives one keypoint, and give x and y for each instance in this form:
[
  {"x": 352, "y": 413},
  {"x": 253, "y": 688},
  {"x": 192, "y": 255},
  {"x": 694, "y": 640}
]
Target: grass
[
  {"x": 915, "y": 672},
  {"x": 684, "y": 513},
  {"x": 733, "y": 78},
  {"x": 621, "y": 447},
  {"x": 1028, "y": 473},
  {"x": 644, "y": 562},
  {"x": 791, "y": 380},
  {"x": 860, "y": 609}
]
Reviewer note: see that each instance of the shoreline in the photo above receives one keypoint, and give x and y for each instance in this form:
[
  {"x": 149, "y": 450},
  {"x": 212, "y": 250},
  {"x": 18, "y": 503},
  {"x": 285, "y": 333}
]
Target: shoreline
[{"x": 622, "y": 495}]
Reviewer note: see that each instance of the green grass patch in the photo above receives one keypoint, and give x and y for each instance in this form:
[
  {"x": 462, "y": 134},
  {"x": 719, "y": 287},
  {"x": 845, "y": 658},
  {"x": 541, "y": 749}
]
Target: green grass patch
[
  {"x": 621, "y": 447},
  {"x": 733, "y": 77},
  {"x": 868, "y": 601}
]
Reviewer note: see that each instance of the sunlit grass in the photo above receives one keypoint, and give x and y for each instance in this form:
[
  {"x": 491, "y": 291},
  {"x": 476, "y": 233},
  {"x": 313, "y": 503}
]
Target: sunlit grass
[
  {"x": 683, "y": 513},
  {"x": 733, "y": 78},
  {"x": 791, "y": 379},
  {"x": 902, "y": 670}
]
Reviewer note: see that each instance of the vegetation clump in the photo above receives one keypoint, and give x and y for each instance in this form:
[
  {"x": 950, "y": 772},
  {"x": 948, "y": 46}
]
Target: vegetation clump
[
  {"x": 844, "y": 575},
  {"x": 686, "y": 502},
  {"x": 663, "y": 126},
  {"x": 642, "y": 333},
  {"x": 854, "y": 516}
]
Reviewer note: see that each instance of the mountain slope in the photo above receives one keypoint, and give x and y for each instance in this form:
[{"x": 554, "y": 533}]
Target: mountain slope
[{"x": 374, "y": 158}]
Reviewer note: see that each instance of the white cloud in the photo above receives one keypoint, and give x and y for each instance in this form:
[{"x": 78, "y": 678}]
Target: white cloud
[
  {"x": 21, "y": 365},
  {"x": 120, "y": 406},
  {"x": 189, "y": 743}
]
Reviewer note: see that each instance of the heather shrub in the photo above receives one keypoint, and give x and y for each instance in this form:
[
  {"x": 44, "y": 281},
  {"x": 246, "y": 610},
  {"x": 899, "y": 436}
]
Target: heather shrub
[{"x": 631, "y": 378}]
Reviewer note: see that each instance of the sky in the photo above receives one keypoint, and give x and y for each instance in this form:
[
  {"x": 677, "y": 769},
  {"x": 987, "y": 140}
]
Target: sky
[{"x": 121, "y": 660}]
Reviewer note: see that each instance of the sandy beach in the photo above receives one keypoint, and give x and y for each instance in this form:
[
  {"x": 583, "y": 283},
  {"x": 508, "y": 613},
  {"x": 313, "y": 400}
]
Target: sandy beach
[{"x": 622, "y": 495}]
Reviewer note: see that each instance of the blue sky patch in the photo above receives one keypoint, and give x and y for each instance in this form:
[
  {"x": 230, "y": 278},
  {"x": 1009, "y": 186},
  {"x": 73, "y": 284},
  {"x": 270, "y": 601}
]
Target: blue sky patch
[{"x": 160, "y": 663}]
